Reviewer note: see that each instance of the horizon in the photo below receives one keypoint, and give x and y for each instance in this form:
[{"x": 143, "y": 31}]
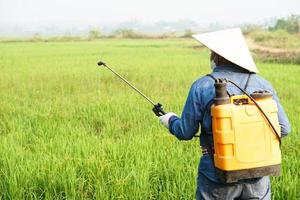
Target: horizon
[{"x": 19, "y": 17}]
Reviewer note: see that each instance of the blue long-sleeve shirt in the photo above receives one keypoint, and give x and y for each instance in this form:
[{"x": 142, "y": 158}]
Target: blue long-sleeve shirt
[{"x": 196, "y": 111}]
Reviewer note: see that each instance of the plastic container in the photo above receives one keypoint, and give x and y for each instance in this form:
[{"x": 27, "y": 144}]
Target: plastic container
[{"x": 245, "y": 145}]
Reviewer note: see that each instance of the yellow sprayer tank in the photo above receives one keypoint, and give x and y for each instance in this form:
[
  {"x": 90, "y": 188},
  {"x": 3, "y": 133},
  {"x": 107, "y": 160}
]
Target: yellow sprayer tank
[{"x": 245, "y": 146}]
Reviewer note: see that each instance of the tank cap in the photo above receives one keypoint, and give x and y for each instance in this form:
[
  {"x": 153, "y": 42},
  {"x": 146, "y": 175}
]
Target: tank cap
[{"x": 260, "y": 94}]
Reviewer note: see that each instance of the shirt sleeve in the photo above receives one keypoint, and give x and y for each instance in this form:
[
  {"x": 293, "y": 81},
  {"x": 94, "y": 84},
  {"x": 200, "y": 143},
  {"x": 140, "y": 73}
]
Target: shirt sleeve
[
  {"x": 187, "y": 126},
  {"x": 282, "y": 117}
]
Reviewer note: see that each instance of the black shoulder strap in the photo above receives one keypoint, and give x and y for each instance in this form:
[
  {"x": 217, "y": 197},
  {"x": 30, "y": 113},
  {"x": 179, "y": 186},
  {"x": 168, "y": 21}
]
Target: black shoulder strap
[
  {"x": 247, "y": 82},
  {"x": 211, "y": 76},
  {"x": 246, "y": 85}
]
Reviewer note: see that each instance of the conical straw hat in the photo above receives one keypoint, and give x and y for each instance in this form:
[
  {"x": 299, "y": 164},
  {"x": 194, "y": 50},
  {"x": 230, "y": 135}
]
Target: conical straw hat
[{"x": 229, "y": 44}]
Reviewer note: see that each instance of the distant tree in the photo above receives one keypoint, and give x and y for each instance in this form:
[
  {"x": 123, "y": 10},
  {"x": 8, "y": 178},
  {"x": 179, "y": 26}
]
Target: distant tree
[
  {"x": 188, "y": 33},
  {"x": 290, "y": 24},
  {"x": 128, "y": 33},
  {"x": 251, "y": 28},
  {"x": 94, "y": 34},
  {"x": 37, "y": 37}
]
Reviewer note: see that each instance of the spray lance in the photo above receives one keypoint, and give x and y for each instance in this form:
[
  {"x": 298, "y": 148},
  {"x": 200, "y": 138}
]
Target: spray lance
[
  {"x": 157, "y": 107},
  {"x": 221, "y": 92}
]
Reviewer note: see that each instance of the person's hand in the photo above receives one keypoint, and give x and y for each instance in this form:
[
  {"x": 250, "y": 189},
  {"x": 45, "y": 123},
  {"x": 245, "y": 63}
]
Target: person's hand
[{"x": 164, "y": 120}]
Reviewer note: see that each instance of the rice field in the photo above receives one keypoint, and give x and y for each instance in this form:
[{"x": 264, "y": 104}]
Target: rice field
[{"x": 71, "y": 130}]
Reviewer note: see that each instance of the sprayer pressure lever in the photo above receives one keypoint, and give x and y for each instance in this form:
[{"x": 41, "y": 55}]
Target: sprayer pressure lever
[{"x": 158, "y": 110}]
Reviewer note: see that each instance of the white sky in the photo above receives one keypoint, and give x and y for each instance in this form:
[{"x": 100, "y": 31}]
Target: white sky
[{"x": 108, "y": 11}]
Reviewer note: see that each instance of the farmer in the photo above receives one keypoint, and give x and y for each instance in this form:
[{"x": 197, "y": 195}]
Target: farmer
[{"x": 231, "y": 59}]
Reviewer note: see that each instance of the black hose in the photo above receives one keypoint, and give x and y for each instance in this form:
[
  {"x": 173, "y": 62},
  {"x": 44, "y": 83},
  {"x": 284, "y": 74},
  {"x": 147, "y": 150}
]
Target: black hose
[{"x": 260, "y": 109}]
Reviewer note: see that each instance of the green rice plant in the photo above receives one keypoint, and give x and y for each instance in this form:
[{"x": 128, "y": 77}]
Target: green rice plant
[{"x": 72, "y": 130}]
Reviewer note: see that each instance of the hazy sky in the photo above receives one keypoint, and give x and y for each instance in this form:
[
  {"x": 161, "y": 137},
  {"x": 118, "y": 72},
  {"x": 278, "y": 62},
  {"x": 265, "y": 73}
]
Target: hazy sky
[{"x": 108, "y": 11}]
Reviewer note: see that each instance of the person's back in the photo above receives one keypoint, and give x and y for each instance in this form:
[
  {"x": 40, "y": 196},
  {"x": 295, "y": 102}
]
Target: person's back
[
  {"x": 251, "y": 82},
  {"x": 205, "y": 86},
  {"x": 197, "y": 112}
]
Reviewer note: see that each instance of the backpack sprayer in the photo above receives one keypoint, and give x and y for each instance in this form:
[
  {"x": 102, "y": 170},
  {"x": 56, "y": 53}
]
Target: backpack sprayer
[
  {"x": 157, "y": 107},
  {"x": 245, "y": 146}
]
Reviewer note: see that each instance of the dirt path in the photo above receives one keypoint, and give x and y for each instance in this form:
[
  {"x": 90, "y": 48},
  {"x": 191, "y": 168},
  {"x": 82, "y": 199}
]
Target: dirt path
[{"x": 254, "y": 46}]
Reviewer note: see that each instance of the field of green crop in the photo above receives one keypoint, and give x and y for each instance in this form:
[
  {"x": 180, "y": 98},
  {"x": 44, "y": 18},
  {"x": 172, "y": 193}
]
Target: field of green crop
[{"x": 72, "y": 130}]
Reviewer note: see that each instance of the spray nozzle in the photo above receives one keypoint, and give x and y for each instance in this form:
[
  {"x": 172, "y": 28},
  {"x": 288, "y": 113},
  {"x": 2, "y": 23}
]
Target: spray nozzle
[{"x": 100, "y": 63}]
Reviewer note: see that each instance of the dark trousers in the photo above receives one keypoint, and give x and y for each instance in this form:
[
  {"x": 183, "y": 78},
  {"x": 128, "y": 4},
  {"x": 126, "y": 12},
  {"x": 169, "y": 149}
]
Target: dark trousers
[{"x": 247, "y": 189}]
